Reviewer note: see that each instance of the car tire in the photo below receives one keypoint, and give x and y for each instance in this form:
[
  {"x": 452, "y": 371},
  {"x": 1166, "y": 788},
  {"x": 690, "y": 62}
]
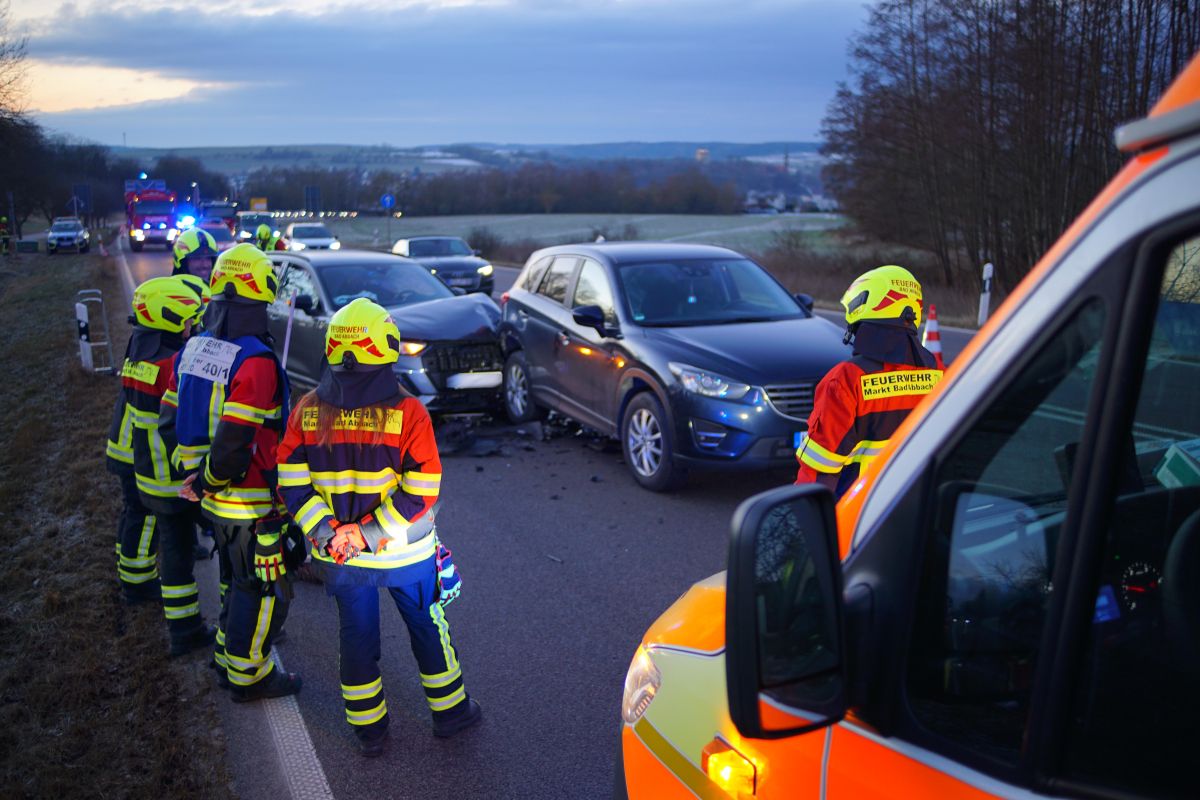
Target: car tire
[
  {"x": 85, "y": 248},
  {"x": 646, "y": 443},
  {"x": 518, "y": 390},
  {"x": 136, "y": 246}
]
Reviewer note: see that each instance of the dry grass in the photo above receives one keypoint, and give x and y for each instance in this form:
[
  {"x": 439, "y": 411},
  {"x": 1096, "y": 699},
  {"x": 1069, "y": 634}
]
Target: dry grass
[
  {"x": 823, "y": 263},
  {"x": 90, "y": 706}
]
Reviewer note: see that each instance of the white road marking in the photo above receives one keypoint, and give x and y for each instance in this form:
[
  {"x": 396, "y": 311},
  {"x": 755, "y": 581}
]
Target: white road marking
[
  {"x": 126, "y": 275},
  {"x": 297, "y": 756}
]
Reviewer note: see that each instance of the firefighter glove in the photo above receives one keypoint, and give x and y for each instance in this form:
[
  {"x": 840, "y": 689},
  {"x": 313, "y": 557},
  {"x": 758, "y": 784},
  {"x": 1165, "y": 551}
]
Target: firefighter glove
[
  {"x": 268, "y": 557},
  {"x": 449, "y": 581},
  {"x": 347, "y": 543}
]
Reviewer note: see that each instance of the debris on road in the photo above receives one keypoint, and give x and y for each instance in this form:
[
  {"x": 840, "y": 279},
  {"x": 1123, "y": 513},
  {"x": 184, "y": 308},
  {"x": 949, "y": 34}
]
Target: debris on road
[{"x": 555, "y": 559}]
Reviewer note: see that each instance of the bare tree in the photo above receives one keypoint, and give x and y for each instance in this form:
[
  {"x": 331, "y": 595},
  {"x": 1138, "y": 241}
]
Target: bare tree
[
  {"x": 12, "y": 65},
  {"x": 978, "y": 129}
]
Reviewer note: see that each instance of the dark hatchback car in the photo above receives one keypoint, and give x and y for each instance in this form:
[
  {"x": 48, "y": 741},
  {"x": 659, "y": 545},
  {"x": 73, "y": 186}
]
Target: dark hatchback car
[
  {"x": 449, "y": 354},
  {"x": 451, "y": 259},
  {"x": 693, "y": 356}
]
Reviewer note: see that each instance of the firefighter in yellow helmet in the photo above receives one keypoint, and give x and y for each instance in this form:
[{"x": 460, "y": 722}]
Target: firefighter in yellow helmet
[
  {"x": 164, "y": 313},
  {"x": 860, "y": 402},
  {"x": 164, "y": 310},
  {"x": 360, "y": 473},
  {"x": 194, "y": 253},
  {"x": 229, "y": 406},
  {"x": 268, "y": 240}
]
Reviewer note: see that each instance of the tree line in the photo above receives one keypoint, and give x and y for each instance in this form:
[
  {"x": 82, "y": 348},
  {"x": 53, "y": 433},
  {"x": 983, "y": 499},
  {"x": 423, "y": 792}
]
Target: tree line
[
  {"x": 530, "y": 188},
  {"x": 978, "y": 130}
]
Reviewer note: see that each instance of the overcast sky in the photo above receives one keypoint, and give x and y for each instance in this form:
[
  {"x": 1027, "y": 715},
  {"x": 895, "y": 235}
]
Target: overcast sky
[{"x": 172, "y": 74}]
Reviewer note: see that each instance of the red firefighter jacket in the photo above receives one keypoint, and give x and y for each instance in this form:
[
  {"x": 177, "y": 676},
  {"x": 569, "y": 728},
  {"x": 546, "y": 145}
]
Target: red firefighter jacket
[{"x": 859, "y": 404}]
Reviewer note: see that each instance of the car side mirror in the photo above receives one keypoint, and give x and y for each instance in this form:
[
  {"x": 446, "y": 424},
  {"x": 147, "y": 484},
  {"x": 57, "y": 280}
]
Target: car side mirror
[
  {"x": 805, "y": 301},
  {"x": 590, "y": 317},
  {"x": 477, "y": 252},
  {"x": 785, "y": 670},
  {"x": 305, "y": 303}
]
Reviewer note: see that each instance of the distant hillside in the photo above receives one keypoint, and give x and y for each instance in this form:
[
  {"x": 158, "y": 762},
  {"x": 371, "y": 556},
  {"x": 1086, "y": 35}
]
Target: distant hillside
[
  {"x": 442, "y": 158},
  {"x": 655, "y": 150}
]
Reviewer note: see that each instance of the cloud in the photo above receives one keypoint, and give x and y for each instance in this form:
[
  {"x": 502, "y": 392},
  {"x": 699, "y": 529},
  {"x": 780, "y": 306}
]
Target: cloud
[
  {"x": 72, "y": 87},
  {"x": 541, "y": 71}
]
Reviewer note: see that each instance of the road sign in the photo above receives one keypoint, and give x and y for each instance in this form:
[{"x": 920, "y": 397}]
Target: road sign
[
  {"x": 81, "y": 198},
  {"x": 312, "y": 198},
  {"x": 388, "y": 200}
]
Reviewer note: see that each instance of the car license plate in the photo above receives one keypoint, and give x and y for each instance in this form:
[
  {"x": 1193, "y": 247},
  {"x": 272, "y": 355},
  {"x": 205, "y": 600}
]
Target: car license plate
[{"x": 461, "y": 281}]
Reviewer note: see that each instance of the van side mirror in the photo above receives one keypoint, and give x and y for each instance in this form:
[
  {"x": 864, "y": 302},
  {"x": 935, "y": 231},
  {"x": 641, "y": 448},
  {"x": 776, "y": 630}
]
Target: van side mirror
[
  {"x": 785, "y": 670},
  {"x": 590, "y": 317},
  {"x": 305, "y": 303},
  {"x": 805, "y": 301}
]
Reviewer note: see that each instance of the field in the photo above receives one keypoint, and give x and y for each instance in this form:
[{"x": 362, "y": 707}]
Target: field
[{"x": 748, "y": 232}]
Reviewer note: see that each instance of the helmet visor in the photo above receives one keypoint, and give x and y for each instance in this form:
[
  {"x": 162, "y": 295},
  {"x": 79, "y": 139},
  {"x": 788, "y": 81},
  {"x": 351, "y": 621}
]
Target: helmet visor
[{"x": 200, "y": 266}]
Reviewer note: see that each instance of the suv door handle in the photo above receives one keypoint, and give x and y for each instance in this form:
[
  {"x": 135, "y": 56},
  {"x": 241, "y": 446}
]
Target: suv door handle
[{"x": 564, "y": 339}]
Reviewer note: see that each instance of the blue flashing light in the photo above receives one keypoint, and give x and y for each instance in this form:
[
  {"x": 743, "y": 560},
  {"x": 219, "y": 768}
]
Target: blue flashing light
[
  {"x": 187, "y": 221},
  {"x": 142, "y": 176},
  {"x": 146, "y": 225},
  {"x": 162, "y": 226}
]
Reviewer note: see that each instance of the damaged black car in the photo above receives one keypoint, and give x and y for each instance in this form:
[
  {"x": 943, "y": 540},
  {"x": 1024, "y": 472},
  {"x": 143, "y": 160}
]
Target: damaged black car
[{"x": 449, "y": 352}]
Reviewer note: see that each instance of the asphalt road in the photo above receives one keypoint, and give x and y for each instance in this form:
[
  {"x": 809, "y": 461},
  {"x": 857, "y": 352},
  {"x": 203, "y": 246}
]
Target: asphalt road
[{"x": 565, "y": 562}]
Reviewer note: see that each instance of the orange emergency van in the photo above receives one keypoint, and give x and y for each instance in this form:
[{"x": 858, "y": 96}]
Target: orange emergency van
[{"x": 1007, "y": 602}]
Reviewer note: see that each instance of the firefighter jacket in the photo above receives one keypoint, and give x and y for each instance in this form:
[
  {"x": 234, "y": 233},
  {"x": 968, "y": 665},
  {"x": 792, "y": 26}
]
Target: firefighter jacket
[
  {"x": 145, "y": 378},
  {"x": 118, "y": 453},
  {"x": 860, "y": 403},
  {"x": 226, "y": 404},
  {"x": 395, "y": 480}
]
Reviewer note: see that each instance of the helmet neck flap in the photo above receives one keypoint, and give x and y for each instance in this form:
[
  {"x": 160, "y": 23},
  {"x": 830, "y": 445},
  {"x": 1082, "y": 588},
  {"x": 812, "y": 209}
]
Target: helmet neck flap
[
  {"x": 233, "y": 318},
  {"x": 890, "y": 342},
  {"x": 365, "y": 385}
]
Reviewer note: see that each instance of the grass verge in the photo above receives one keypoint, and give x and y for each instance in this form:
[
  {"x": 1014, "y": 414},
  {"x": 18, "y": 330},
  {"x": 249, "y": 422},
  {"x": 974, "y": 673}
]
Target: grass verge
[{"x": 90, "y": 706}]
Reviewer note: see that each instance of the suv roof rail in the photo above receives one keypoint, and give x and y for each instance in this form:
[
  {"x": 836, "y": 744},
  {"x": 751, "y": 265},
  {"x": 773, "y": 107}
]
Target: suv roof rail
[{"x": 1152, "y": 131}]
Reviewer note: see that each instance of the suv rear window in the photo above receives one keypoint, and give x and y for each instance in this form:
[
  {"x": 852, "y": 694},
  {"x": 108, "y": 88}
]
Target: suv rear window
[{"x": 554, "y": 285}]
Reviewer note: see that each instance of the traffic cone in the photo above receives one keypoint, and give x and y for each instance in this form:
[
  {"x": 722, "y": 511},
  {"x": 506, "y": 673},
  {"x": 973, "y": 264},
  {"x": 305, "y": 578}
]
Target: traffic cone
[{"x": 932, "y": 340}]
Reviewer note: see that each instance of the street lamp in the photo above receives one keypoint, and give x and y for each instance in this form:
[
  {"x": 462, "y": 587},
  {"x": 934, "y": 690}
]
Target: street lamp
[{"x": 196, "y": 195}]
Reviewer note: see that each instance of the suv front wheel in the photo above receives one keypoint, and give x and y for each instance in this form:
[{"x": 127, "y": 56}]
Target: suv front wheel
[
  {"x": 646, "y": 442},
  {"x": 518, "y": 395}
]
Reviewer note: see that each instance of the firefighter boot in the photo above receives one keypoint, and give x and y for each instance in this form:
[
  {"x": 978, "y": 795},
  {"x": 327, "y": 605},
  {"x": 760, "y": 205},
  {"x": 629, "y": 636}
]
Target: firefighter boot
[
  {"x": 277, "y": 684},
  {"x": 448, "y": 723},
  {"x": 200, "y": 636}
]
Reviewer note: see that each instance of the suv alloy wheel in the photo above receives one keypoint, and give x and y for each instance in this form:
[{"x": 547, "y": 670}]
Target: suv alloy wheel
[{"x": 646, "y": 442}]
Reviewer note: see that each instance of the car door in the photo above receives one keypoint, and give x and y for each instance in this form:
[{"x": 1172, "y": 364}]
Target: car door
[
  {"x": 592, "y": 362},
  {"x": 541, "y": 319},
  {"x": 306, "y": 348},
  {"x": 1048, "y": 553}
]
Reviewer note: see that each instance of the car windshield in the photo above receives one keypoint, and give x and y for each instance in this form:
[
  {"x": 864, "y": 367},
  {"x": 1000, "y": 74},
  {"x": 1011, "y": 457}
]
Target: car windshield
[
  {"x": 66, "y": 227},
  {"x": 219, "y": 212},
  {"x": 707, "y": 291},
  {"x": 219, "y": 232},
  {"x": 419, "y": 248},
  {"x": 390, "y": 285},
  {"x": 311, "y": 232},
  {"x": 249, "y": 222},
  {"x": 154, "y": 207}
]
